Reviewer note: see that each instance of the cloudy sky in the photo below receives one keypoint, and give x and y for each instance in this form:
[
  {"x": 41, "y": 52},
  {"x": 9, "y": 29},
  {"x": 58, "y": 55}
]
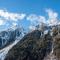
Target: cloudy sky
[{"x": 28, "y": 13}]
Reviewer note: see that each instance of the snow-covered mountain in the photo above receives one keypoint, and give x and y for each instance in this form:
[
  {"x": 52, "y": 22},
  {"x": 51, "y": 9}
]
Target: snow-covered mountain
[
  {"x": 9, "y": 36},
  {"x": 38, "y": 45},
  {"x": 12, "y": 36}
]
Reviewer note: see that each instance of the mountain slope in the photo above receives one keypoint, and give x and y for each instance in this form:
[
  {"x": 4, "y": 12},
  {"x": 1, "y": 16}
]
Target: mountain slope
[{"x": 32, "y": 46}]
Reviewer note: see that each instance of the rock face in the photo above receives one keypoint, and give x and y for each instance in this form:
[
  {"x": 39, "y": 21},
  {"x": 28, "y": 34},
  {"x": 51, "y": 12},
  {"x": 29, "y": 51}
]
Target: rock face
[
  {"x": 57, "y": 46},
  {"x": 33, "y": 46},
  {"x": 55, "y": 53}
]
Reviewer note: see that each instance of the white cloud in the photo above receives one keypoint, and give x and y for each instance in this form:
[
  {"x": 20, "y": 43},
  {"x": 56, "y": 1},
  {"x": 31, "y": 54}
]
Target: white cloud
[
  {"x": 6, "y": 16},
  {"x": 2, "y": 22},
  {"x": 42, "y": 19},
  {"x": 11, "y": 16},
  {"x": 51, "y": 13},
  {"x": 14, "y": 26},
  {"x": 52, "y": 17},
  {"x": 36, "y": 19},
  {"x": 31, "y": 28},
  {"x": 52, "y": 22},
  {"x": 32, "y": 17}
]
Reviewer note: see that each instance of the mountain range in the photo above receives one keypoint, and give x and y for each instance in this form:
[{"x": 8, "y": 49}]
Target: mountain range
[
  {"x": 7, "y": 37},
  {"x": 35, "y": 45}
]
